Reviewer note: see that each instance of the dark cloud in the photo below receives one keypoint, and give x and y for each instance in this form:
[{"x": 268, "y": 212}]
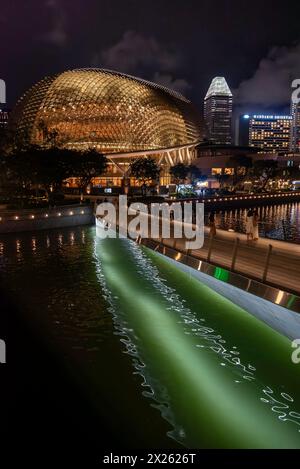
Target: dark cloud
[
  {"x": 180, "y": 44},
  {"x": 141, "y": 55},
  {"x": 56, "y": 35},
  {"x": 135, "y": 51},
  {"x": 270, "y": 85},
  {"x": 177, "y": 84}
]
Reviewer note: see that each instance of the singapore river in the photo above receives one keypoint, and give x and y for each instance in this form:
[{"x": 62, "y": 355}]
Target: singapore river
[
  {"x": 152, "y": 349},
  {"x": 275, "y": 221}
]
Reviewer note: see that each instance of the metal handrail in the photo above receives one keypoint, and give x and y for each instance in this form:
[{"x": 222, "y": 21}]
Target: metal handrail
[{"x": 251, "y": 285}]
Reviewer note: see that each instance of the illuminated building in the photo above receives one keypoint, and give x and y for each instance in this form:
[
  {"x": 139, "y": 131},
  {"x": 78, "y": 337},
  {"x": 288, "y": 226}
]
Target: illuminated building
[
  {"x": 121, "y": 116},
  {"x": 4, "y": 114},
  {"x": 218, "y": 112},
  {"x": 295, "y": 128},
  {"x": 270, "y": 133}
]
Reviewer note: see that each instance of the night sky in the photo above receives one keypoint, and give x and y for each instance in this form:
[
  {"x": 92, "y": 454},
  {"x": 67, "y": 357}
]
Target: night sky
[{"x": 180, "y": 43}]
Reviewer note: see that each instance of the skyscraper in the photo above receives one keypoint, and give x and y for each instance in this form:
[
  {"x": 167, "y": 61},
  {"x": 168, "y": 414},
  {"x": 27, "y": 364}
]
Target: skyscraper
[
  {"x": 295, "y": 128},
  {"x": 218, "y": 112}
]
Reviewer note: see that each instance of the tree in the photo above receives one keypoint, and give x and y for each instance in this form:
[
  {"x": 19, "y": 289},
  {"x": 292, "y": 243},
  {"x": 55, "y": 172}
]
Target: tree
[
  {"x": 179, "y": 172},
  {"x": 222, "y": 179},
  {"x": 195, "y": 175},
  {"x": 265, "y": 170},
  {"x": 37, "y": 167},
  {"x": 241, "y": 165},
  {"x": 145, "y": 170},
  {"x": 292, "y": 172},
  {"x": 9, "y": 141},
  {"x": 86, "y": 166}
]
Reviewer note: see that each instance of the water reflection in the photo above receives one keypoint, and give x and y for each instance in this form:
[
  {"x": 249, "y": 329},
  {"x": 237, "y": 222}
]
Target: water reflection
[
  {"x": 60, "y": 277},
  {"x": 275, "y": 221},
  {"x": 53, "y": 273},
  {"x": 188, "y": 368}
]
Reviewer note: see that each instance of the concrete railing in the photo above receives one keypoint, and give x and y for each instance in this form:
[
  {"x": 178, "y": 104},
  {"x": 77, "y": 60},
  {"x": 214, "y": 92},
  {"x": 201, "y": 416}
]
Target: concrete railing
[
  {"x": 275, "y": 195},
  {"x": 40, "y": 219}
]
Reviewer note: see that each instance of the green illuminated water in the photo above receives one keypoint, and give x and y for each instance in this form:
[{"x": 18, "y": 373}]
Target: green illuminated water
[
  {"x": 221, "y": 377},
  {"x": 155, "y": 351}
]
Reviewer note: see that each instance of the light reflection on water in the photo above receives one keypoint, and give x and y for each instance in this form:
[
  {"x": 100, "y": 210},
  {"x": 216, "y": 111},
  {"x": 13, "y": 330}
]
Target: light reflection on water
[
  {"x": 51, "y": 277},
  {"x": 56, "y": 271},
  {"x": 275, "y": 221},
  {"x": 212, "y": 339},
  {"x": 202, "y": 336}
]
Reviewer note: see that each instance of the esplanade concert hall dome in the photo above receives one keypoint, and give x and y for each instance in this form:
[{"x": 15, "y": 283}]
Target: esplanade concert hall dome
[{"x": 110, "y": 111}]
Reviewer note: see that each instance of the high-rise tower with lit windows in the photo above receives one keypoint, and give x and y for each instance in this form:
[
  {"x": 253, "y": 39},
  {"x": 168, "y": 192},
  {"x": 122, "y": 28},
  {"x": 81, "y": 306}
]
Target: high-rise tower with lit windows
[{"x": 218, "y": 112}]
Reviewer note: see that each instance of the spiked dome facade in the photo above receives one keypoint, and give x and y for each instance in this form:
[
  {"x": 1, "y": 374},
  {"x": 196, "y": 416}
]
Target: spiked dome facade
[
  {"x": 121, "y": 116},
  {"x": 110, "y": 111}
]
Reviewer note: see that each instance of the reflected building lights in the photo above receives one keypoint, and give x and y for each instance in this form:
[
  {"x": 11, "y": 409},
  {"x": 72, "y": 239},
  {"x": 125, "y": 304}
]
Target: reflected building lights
[
  {"x": 18, "y": 246},
  {"x": 72, "y": 238},
  {"x": 33, "y": 245}
]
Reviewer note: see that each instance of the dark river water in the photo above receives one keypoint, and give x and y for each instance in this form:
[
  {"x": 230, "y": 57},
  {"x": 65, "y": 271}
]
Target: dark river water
[
  {"x": 164, "y": 359},
  {"x": 275, "y": 221}
]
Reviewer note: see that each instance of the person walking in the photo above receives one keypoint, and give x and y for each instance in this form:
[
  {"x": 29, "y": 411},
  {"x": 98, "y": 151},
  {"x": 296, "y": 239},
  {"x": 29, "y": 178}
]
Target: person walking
[
  {"x": 212, "y": 225},
  {"x": 255, "y": 225},
  {"x": 249, "y": 225}
]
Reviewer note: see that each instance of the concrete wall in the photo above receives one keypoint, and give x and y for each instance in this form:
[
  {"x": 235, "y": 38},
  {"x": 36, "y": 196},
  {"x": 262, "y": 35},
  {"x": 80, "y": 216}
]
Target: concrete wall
[
  {"x": 44, "y": 219},
  {"x": 282, "y": 320}
]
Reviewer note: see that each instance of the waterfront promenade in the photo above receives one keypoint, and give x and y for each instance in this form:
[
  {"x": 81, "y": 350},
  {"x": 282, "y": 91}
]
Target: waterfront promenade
[
  {"x": 278, "y": 266},
  {"x": 272, "y": 262}
]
